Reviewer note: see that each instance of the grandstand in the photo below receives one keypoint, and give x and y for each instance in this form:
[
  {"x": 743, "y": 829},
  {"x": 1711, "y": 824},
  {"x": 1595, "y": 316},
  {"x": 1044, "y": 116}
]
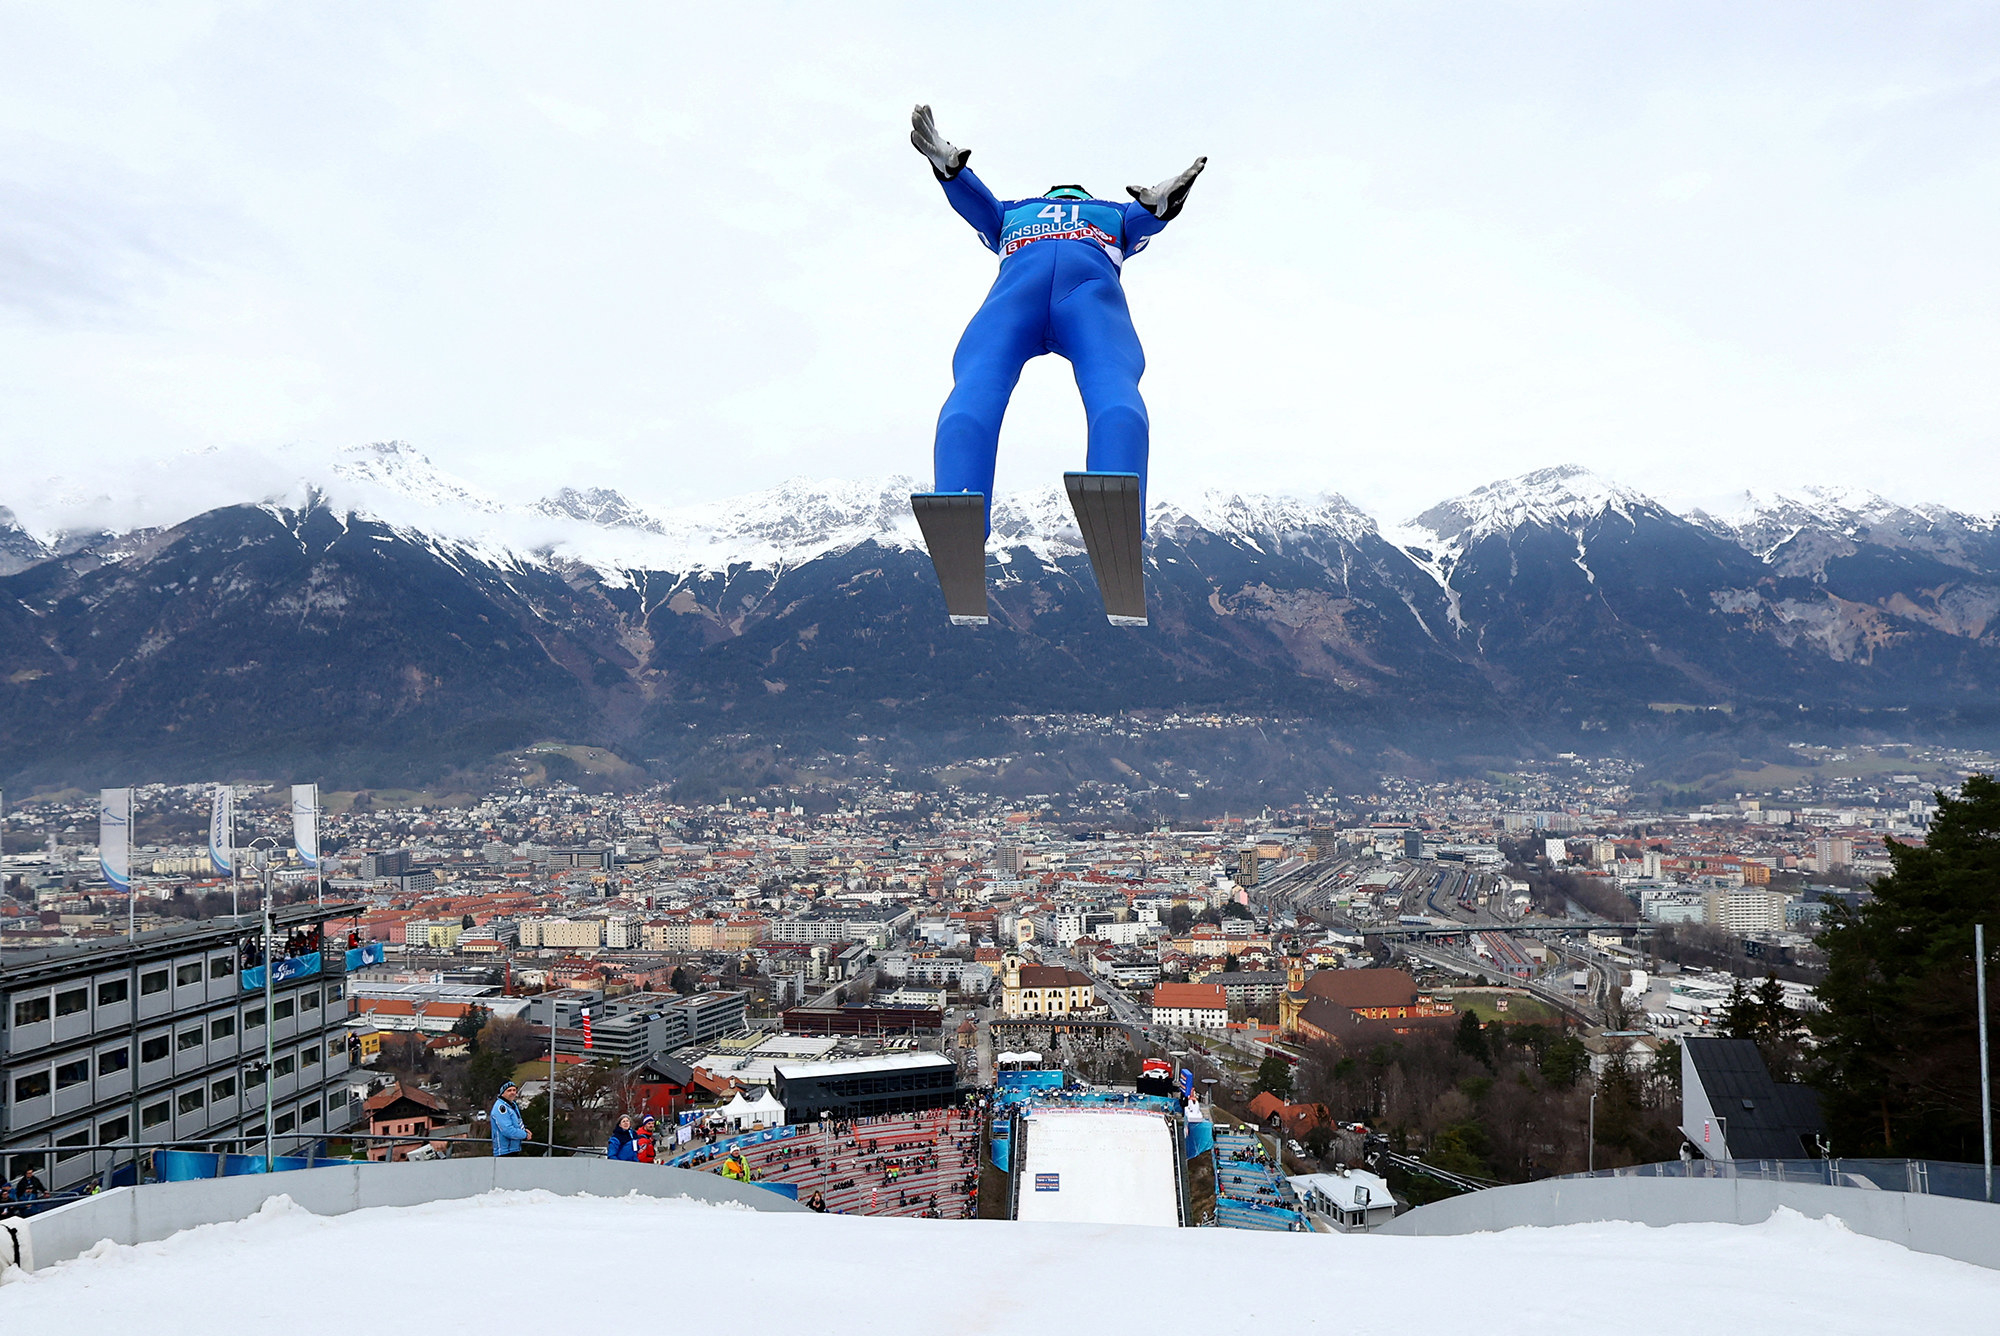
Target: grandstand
[
  {"x": 897, "y": 1164},
  {"x": 1250, "y": 1191}
]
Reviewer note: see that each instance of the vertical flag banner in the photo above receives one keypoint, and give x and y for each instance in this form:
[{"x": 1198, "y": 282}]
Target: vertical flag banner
[
  {"x": 305, "y": 822},
  {"x": 222, "y": 831},
  {"x": 114, "y": 837}
]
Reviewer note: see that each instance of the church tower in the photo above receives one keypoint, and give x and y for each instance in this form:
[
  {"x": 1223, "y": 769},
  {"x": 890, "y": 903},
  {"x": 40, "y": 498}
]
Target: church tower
[{"x": 1294, "y": 1000}]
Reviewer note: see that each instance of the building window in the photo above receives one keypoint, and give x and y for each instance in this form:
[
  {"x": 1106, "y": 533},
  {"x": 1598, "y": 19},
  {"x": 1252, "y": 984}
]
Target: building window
[
  {"x": 72, "y": 1073},
  {"x": 334, "y": 993},
  {"x": 283, "y": 1066},
  {"x": 286, "y": 1122},
  {"x": 253, "y": 1018},
  {"x": 31, "y": 1011},
  {"x": 253, "y": 1077},
  {"x": 154, "y": 1049},
  {"x": 191, "y": 1100},
  {"x": 281, "y": 1010},
  {"x": 309, "y": 1000},
  {"x": 156, "y": 982},
  {"x": 309, "y": 1113},
  {"x": 76, "y": 1142},
  {"x": 155, "y": 1114},
  {"x": 188, "y": 974},
  {"x": 222, "y": 1027},
  {"x": 114, "y": 1129},
  {"x": 32, "y": 1086},
  {"x": 112, "y": 991},
  {"x": 309, "y": 1057},
  {"x": 189, "y": 1039},
  {"x": 113, "y": 1060},
  {"x": 221, "y": 967},
  {"x": 75, "y": 1000},
  {"x": 222, "y": 1089}
]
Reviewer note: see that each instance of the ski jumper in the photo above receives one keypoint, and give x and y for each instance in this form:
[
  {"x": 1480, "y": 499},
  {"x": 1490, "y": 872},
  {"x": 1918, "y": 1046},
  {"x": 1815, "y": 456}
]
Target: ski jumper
[{"x": 1058, "y": 292}]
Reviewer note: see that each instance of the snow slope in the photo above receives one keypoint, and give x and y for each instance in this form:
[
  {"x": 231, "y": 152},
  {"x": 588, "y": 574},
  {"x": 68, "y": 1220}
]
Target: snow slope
[
  {"x": 1111, "y": 1167},
  {"x": 535, "y": 1262}
]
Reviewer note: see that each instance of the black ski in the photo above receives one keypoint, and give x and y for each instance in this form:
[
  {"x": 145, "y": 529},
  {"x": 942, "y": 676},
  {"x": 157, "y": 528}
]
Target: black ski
[
  {"x": 1109, "y": 513},
  {"x": 954, "y": 525}
]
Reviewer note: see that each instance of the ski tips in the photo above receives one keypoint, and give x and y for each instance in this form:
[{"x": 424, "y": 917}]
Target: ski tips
[
  {"x": 954, "y": 529},
  {"x": 1111, "y": 518}
]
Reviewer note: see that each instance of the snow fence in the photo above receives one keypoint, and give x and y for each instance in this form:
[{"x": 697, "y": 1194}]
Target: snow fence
[
  {"x": 1947, "y": 1226},
  {"x": 154, "y": 1211}
]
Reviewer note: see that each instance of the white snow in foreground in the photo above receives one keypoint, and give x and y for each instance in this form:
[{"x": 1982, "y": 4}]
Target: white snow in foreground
[
  {"x": 534, "y": 1262},
  {"x": 1111, "y": 1167}
]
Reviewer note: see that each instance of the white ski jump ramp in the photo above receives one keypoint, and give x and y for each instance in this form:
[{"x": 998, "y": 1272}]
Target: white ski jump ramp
[{"x": 1099, "y": 1166}]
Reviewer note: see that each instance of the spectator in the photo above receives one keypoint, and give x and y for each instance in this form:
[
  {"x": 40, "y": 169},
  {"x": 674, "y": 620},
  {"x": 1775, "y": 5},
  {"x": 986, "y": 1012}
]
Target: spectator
[
  {"x": 648, "y": 1140},
  {"x": 509, "y": 1133},
  {"x": 624, "y": 1142}
]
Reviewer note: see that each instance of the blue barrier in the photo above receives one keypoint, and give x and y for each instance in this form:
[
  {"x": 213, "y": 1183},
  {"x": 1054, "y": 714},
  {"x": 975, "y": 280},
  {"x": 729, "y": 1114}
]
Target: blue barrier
[
  {"x": 181, "y": 1166},
  {"x": 782, "y": 1189},
  {"x": 1200, "y": 1139},
  {"x": 723, "y": 1147},
  {"x": 292, "y": 967}
]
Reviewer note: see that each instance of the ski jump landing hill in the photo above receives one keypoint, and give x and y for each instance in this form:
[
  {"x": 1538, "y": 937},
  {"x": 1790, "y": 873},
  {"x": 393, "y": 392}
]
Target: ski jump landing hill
[
  {"x": 1099, "y": 1166},
  {"x": 1083, "y": 1156}
]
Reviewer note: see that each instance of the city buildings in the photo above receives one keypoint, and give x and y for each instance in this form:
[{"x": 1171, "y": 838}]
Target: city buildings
[{"x": 110, "y": 1047}]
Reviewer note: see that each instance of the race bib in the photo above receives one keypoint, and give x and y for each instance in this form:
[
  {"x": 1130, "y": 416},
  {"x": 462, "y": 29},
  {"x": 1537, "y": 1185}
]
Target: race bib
[{"x": 1063, "y": 220}]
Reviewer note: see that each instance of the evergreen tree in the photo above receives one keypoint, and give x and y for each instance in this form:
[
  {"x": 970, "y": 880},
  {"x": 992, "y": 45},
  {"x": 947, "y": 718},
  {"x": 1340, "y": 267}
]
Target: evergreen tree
[
  {"x": 1472, "y": 1038},
  {"x": 1275, "y": 1075},
  {"x": 1897, "y": 1063}
]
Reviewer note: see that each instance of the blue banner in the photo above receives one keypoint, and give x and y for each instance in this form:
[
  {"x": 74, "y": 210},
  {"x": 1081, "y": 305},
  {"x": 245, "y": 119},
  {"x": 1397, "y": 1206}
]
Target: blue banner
[
  {"x": 292, "y": 967},
  {"x": 368, "y": 954}
]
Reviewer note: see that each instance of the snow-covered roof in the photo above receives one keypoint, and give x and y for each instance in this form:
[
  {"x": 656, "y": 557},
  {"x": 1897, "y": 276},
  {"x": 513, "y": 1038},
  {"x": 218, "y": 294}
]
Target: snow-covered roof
[
  {"x": 1341, "y": 1189},
  {"x": 905, "y": 1062}
]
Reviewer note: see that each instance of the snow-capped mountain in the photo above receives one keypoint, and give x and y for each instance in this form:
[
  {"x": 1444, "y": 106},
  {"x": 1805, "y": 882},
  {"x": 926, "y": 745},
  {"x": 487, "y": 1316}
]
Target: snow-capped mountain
[
  {"x": 396, "y": 615},
  {"x": 1800, "y": 530},
  {"x": 1563, "y": 497}
]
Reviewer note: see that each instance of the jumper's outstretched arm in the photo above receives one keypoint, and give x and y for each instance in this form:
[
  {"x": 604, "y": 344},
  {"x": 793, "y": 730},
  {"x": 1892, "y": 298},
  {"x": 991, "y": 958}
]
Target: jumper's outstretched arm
[
  {"x": 946, "y": 158},
  {"x": 1164, "y": 200}
]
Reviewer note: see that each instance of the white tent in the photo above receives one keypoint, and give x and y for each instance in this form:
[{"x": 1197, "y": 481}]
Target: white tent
[{"x": 763, "y": 1111}]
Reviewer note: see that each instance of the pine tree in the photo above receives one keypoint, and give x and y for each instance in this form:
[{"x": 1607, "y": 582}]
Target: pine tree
[
  {"x": 1472, "y": 1038},
  {"x": 1898, "y": 1064}
]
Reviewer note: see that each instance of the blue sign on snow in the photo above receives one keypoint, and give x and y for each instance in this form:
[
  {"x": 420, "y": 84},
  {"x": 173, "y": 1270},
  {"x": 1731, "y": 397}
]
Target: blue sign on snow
[{"x": 1048, "y": 1182}]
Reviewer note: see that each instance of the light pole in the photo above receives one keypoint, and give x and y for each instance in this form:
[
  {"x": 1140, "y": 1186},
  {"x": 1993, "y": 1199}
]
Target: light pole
[
  {"x": 1590, "y": 1160},
  {"x": 1985, "y": 1075},
  {"x": 270, "y": 1021}
]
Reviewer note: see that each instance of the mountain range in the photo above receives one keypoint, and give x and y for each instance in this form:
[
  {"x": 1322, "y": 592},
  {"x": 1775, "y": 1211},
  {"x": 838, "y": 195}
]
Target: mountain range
[{"x": 392, "y": 622}]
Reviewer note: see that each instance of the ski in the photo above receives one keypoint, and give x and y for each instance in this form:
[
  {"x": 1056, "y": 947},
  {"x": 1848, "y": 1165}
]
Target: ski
[
  {"x": 954, "y": 525},
  {"x": 1109, "y": 513}
]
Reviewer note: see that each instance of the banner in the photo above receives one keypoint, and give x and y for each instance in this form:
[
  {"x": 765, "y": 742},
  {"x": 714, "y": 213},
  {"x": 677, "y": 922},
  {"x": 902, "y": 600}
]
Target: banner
[
  {"x": 222, "y": 831},
  {"x": 305, "y": 822},
  {"x": 288, "y": 969},
  {"x": 114, "y": 837}
]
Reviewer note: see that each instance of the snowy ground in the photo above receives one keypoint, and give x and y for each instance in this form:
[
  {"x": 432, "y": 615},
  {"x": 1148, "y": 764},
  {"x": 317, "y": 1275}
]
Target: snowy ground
[
  {"x": 1112, "y": 1167},
  {"x": 522, "y": 1262}
]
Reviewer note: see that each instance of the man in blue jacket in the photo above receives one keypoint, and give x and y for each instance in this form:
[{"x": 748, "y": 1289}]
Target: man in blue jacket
[
  {"x": 1058, "y": 292},
  {"x": 509, "y": 1133}
]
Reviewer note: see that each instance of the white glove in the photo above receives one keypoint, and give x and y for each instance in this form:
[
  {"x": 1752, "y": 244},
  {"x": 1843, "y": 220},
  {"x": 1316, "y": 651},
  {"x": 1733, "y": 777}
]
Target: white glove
[
  {"x": 946, "y": 159},
  {"x": 1164, "y": 200}
]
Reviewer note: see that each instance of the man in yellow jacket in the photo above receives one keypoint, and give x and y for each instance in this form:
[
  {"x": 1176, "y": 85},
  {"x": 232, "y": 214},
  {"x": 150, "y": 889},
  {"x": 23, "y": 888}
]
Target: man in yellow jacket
[{"x": 733, "y": 1167}]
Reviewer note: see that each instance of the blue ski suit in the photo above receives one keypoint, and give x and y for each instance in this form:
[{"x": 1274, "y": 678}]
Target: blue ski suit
[{"x": 1057, "y": 292}]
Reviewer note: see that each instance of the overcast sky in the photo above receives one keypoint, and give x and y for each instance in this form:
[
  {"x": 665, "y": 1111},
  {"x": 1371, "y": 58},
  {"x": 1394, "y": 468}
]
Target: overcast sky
[{"x": 687, "y": 251}]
